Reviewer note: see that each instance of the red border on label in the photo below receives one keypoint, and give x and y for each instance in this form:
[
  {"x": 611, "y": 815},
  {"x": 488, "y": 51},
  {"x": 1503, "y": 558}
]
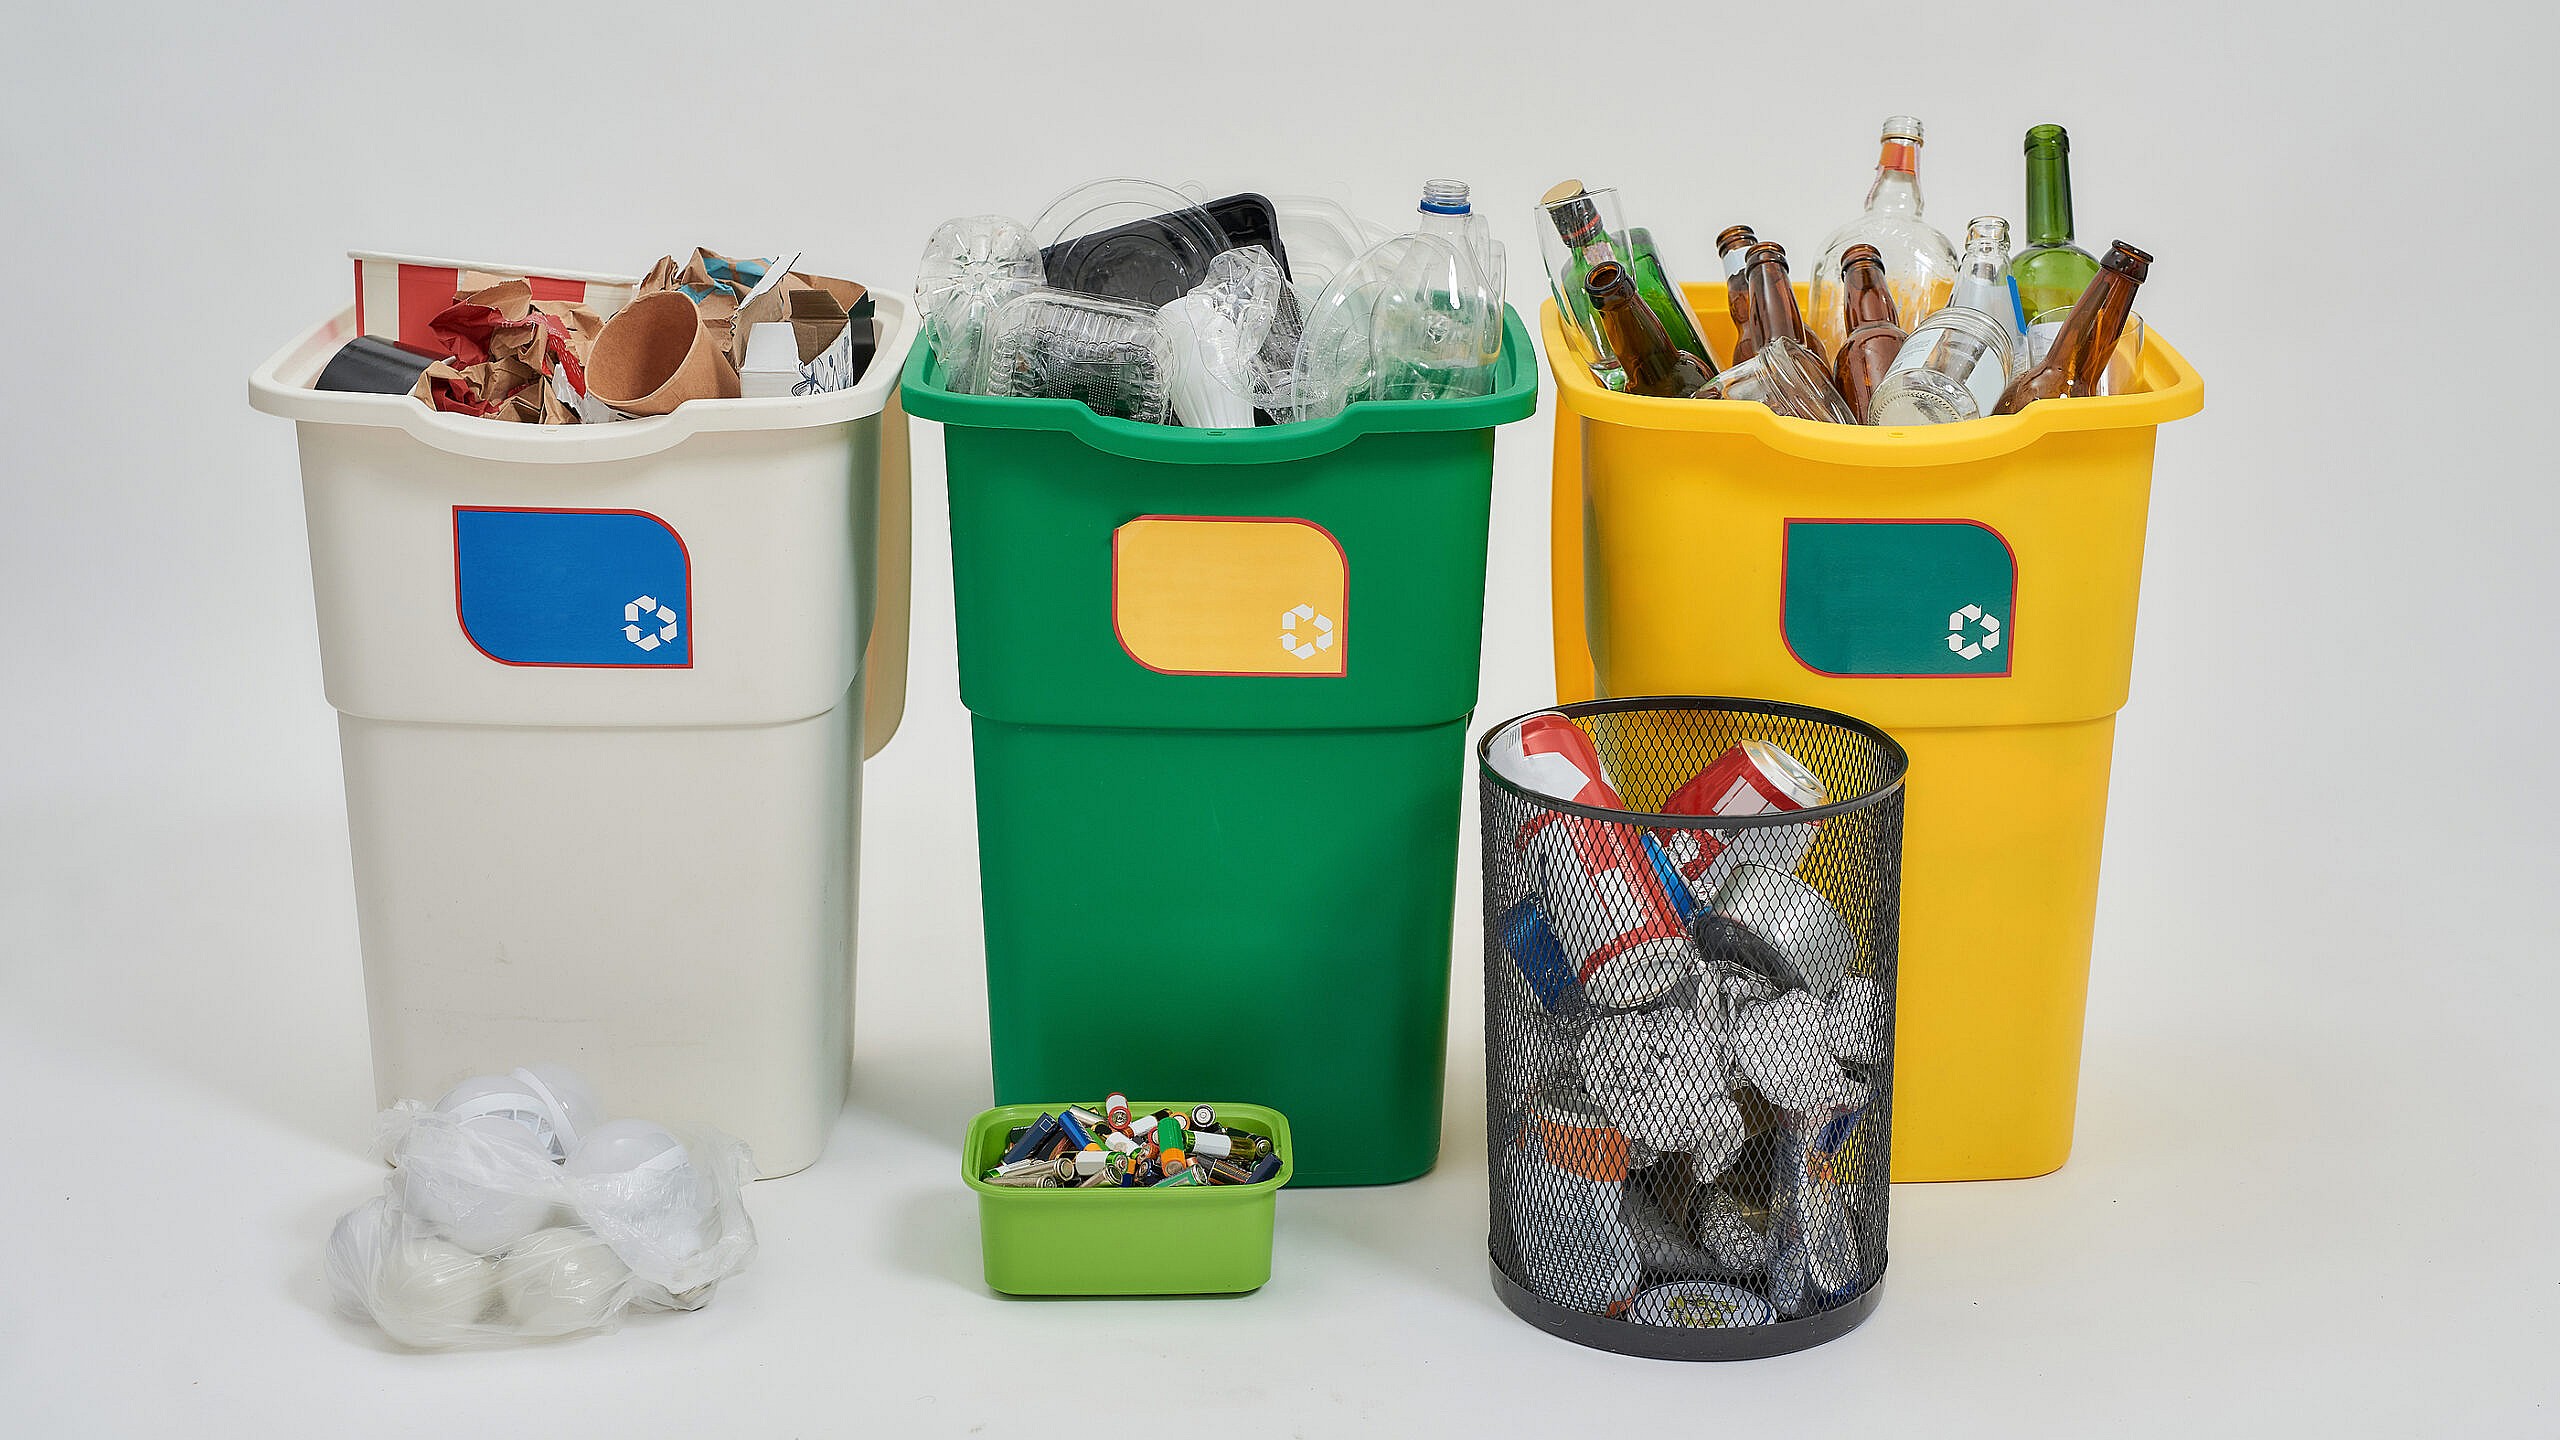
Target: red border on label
[
  {"x": 2009, "y": 640},
  {"x": 690, "y": 650},
  {"x": 1123, "y": 642}
]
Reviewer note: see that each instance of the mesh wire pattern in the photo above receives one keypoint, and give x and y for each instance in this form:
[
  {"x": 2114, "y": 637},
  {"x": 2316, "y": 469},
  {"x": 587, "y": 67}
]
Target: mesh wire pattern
[{"x": 1689, "y": 1030}]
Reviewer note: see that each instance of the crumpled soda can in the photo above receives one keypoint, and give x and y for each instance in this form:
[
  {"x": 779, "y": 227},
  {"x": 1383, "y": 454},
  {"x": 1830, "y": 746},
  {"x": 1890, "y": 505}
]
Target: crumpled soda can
[
  {"x": 1700, "y": 1305},
  {"x": 1657, "y": 1073},
  {"x": 1735, "y": 1234},
  {"x": 1815, "y": 1261}
]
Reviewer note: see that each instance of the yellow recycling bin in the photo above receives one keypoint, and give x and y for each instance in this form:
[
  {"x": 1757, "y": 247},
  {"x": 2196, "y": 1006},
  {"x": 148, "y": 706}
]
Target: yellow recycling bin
[{"x": 1970, "y": 588}]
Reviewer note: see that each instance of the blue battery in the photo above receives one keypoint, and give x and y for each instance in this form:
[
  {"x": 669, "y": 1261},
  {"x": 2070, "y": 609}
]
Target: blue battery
[
  {"x": 1264, "y": 1169},
  {"x": 1077, "y": 1136},
  {"x": 1042, "y": 1131}
]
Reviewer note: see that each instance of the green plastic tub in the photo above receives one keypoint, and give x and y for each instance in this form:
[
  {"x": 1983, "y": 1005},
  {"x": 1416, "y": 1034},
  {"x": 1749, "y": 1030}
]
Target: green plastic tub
[
  {"x": 1220, "y": 683},
  {"x": 1188, "y": 1240}
]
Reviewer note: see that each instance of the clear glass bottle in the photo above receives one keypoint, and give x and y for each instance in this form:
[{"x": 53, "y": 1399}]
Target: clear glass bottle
[
  {"x": 1958, "y": 360},
  {"x": 2051, "y": 270},
  {"x": 1584, "y": 229},
  {"x": 1788, "y": 378},
  {"x": 1918, "y": 257}
]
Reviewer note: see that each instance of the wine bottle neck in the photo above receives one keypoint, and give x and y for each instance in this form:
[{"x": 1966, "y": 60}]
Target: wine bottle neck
[{"x": 2049, "y": 197}]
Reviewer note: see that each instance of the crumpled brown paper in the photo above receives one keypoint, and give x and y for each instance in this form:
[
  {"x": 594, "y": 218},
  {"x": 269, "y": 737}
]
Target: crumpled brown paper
[{"x": 513, "y": 357}]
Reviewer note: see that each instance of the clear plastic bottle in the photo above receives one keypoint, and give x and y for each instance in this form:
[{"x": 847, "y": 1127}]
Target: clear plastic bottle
[
  {"x": 1958, "y": 360},
  {"x": 1918, "y": 258},
  {"x": 1437, "y": 330}
]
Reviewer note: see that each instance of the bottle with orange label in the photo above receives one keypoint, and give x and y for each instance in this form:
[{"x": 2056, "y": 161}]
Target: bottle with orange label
[{"x": 1919, "y": 260}]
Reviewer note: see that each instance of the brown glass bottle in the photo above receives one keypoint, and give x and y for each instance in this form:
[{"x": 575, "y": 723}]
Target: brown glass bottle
[
  {"x": 1866, "y": 317},
  {"x": 1773, "y": 304},
  {"x": 2078, "y": 359},
  {"x": 1733, "y": 245},
  {"x": 1654, "y": 365}
]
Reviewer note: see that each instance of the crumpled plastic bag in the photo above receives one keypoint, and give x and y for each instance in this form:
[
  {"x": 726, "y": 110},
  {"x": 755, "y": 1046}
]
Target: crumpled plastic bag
[{"x": 481, "y": 1237}]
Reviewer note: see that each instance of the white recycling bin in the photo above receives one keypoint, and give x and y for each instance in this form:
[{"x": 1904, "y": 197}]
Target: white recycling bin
[{"x": 604, "y": 693}]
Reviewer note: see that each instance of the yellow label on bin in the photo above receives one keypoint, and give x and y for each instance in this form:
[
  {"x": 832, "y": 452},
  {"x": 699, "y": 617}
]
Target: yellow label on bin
[{"x": 1230, "y": 595}]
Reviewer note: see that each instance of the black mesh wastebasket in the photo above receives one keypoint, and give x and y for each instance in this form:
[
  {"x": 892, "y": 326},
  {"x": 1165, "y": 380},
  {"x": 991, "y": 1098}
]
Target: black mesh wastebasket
[{"x": 1689, "y": 1021}]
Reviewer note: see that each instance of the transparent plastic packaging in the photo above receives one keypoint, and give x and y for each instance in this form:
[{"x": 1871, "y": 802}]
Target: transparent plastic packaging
[
  {"x": 1234, "y": 341},
  {"x": 1129, "y": 240},
  {"x": 971, "y": 267},
  {"x": 482, "y": 1236},
  {"x": 1405, "y": 321},
  {"x": 1055, "y": 345}
]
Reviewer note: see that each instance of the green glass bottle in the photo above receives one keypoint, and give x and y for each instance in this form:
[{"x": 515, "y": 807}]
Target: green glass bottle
[{"x": 2051, "y": 271}]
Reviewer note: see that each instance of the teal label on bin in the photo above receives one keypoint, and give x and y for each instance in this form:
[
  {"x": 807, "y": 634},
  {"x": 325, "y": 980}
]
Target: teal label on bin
[
  {"x": 1899, "y": 598},
  {"x": 601, "y": 588}
]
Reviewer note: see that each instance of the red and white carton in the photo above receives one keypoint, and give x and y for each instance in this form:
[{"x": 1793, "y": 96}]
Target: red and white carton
[
  {"x": 396, "y": 295},
  {"x": 1607, "y": 906},
  {"x": 1751, "y": 778},
  {"x": 1547, "y": 754}
]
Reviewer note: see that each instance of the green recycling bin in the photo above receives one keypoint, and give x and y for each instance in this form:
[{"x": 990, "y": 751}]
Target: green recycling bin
[{"x": 1219, "y": 683}]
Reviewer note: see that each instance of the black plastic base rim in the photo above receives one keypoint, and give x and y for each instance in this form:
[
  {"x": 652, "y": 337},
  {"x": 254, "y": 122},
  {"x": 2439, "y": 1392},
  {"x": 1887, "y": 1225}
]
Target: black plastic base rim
[{"x": 1663, "y": 1342}]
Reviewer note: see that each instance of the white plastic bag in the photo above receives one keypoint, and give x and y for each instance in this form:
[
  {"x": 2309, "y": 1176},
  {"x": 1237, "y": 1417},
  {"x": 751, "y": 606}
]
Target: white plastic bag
[{"x": 500, "y": 1223}]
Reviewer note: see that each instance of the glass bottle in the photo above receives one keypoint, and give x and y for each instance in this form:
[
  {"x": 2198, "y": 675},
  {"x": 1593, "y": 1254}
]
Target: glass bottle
[
  {"x": 1918, "y": 258},
  {"x": 1585, "y": 230},
  {"x": 1772, "y": 300},
  {"x": 1788, "y": 378},
  {"x": 1958, "y": 360},
  {"x": 1653, "y": 365},
  {"x": 2078, "y": 359},
  {"x": 1866, "y": 302},
  {"x": 1733, "y": 247},
  {"x": 2051, "y": 270}
]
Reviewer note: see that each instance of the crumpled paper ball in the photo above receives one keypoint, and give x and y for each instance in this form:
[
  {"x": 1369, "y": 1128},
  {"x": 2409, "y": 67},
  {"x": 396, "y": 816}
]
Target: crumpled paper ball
[{"x": 1656, "y": 1072}]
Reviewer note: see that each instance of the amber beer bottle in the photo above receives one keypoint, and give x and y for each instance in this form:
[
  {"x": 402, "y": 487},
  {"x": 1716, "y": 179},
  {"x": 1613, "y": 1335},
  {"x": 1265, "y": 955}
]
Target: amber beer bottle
[
  {"x": 1654, "y": 365},
  {"x": 1733, "y": 248},
  {"x": 2078, "y": 359},
  {"x": 1866, "y": 305},
  {"x": 1772, "y": 298}
]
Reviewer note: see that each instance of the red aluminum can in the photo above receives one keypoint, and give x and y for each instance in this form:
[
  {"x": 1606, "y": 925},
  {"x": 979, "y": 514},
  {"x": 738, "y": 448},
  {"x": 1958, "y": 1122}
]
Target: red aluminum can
[
  {"x": 1547, "y": 754},
  {"x": 1752, "y": 778},
  {"x": 1608, "y": 907}
]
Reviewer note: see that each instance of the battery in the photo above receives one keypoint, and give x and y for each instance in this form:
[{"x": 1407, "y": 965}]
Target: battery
[{"x": 1042, "y": 1131}]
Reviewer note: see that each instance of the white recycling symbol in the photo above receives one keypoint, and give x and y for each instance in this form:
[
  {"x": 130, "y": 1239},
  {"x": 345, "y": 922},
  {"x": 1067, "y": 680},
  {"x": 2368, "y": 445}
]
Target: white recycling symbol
[
  {"x": 648, "y": 608},
  {"x": 1319, "y": 632},
  {"x": 1957, "y": 635}
]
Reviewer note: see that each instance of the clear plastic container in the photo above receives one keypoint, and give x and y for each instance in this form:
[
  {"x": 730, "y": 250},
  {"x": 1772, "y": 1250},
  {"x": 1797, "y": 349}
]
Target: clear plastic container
[
  {"x": 1055, "y": 345},
  {"x": 971, "y": 266}
]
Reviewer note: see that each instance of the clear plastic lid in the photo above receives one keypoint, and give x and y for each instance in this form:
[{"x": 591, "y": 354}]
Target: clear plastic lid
[{"x": 1128, "y": 239}]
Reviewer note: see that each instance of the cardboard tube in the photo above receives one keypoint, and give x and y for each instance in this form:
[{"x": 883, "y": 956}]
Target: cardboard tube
[{"x": 655, "y": 354}]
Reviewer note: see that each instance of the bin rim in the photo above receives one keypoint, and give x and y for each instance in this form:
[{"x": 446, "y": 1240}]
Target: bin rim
[
  {"x": 1515, "y": 397},
  {"x": 1005, "y": 1115},
  {"x": 2171, "y": 391},
  {"x": 1898, "y": 758},
  {"x": 282, "y": 386}
]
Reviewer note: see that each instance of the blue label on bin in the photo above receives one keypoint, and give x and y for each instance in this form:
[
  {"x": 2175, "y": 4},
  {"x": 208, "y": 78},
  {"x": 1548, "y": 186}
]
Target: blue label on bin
[
  {"x": 1899, "y": 598},
  {"x": 573, "y": 587}
]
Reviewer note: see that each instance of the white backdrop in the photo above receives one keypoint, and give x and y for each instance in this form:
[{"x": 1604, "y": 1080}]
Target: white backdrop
[{"x": 2315, "y": 1175}]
